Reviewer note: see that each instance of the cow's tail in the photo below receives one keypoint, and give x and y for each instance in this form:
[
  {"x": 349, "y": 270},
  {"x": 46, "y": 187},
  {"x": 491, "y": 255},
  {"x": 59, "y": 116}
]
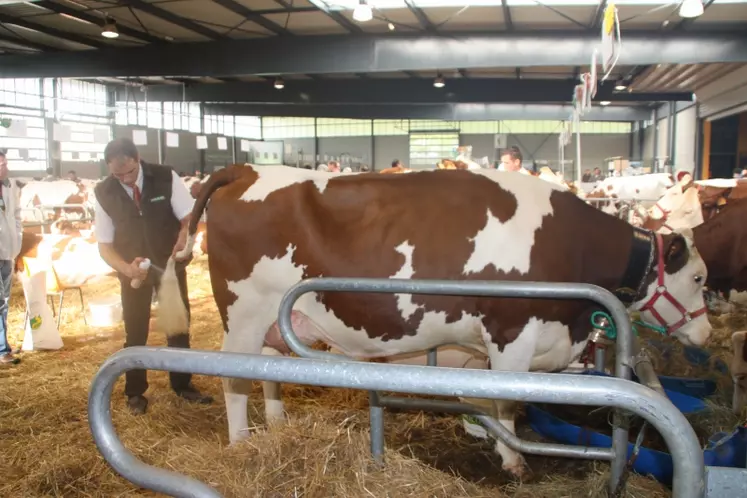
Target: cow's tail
[
  {"x": 172, "y": 318},
  {"x": 216, "y": 181}
]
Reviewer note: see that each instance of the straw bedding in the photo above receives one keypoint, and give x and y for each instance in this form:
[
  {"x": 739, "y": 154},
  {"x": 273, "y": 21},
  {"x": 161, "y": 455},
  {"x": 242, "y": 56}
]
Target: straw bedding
[{"x": 46, "y": 448}]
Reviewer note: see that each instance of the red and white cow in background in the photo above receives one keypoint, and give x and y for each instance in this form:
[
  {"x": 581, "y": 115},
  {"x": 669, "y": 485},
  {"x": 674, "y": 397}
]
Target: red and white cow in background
[{"x": 267, "y": 224}]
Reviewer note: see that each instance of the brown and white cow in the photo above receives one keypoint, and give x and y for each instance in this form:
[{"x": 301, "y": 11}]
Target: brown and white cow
[{"x": 271, "y": 227}]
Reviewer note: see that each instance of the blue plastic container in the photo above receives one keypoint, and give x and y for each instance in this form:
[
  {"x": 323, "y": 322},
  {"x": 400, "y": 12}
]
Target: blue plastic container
[{"x": 723, "y": 449}]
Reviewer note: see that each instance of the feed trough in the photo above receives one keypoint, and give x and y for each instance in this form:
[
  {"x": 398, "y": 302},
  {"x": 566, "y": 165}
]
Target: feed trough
[{"x": 721, "y": 450}]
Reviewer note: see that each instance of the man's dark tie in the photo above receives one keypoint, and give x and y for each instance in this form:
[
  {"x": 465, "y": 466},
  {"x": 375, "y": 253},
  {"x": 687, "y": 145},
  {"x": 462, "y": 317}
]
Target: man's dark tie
[{"x": 136, "y": 196}]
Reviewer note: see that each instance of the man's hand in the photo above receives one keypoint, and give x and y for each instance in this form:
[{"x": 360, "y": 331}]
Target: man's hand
[
  {"x": 134, "y": 272},
  {"x": 181, "y": 243}
]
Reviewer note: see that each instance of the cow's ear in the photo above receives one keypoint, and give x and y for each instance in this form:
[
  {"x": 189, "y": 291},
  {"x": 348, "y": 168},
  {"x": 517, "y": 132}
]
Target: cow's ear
[{"x": 676, "y": 253}]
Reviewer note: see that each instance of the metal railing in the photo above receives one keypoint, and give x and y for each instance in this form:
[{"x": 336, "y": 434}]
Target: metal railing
[
  {"x": 328, "y": 369},
  {"x": 526, "y": 290},
  {"x": 543, "y": 388}
]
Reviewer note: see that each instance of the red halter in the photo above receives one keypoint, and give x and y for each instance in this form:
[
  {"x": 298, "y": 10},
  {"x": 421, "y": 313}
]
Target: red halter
[{"x": 661, "y": 291}]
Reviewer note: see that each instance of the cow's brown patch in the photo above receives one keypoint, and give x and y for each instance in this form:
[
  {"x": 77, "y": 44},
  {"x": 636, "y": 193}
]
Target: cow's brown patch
[{"x": 721, "y": 242}]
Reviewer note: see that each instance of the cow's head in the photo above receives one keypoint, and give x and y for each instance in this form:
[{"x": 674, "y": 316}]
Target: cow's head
[
  {"x": 678, "y": 208},
  {"x": 674, "y": 289}
]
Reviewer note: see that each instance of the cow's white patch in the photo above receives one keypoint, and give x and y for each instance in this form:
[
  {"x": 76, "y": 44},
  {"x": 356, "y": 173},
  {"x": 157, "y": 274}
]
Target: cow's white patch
[
  {"x": 646, "y": 189},
  {"x": 273, "y": 178},
  {"x": 507, "y": 246},
  {"x": 404, "y": 301}
]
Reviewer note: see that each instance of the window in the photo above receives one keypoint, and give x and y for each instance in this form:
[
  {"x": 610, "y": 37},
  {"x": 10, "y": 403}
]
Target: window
[
  {"x": 432, "y": 124},
  {"x": 333, "y": 127},
  {"x": 28, "y": 150},
  {"x": 278, "y": 128},
  {"x": 80, "y": 98},
  {"x": 391, "y": 127},
  {"x": 426, "y": 149},
  {"x": 219, "y": 125},
  {"x": 20, "y": 92},
  {"x": 480, "y": 127},
  {"x": 87, "y": 141},
  {"x": 248, "y": 127}
]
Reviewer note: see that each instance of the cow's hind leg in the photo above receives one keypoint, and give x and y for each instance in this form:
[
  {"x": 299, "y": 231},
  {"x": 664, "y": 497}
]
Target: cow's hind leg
[
  {"x": 515, "y": 357},
  {"x": 274, "y": 410}
]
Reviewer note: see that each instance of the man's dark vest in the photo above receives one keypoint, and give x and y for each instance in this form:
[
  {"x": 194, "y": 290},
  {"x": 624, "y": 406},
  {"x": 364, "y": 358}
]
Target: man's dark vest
[{"x": 151, "y": 234}]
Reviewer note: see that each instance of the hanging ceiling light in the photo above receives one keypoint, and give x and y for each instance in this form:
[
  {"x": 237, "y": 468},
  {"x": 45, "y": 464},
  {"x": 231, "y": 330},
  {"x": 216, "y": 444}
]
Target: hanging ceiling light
[
  {"x": 691, "y": 8},
  {"x": 390, "y": 26},
  {"x": 439, "y": 82},
  {"x": 279, "y": 83},
  {"x": 620, "y": 85},
  {"x": 363, "y": 12},
  {"x": 109, "y": 30}
]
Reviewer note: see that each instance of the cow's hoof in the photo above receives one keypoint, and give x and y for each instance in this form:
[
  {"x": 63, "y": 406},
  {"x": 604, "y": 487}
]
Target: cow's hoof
[{"x": 519, "y": 471}]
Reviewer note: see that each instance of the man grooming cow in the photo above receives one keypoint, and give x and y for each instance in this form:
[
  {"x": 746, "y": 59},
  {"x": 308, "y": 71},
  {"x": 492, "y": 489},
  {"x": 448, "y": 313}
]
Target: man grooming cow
[
  {"x": 274, "y": 227},
  {"x": 142, "y": 211}
]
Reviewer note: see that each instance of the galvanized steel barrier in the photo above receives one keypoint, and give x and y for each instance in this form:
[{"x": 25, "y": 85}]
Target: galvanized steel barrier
[
  {"x": 326, "y": 369},
  {"x": 527, "y": 290}
]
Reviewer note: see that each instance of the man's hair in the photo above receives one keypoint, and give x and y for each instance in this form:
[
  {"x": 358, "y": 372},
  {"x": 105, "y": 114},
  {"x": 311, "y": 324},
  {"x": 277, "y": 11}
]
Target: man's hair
[
  {"x": 72, "y": 171},
  {"x": 512, "y": 151},
  {"x": 120, "y": 147},
  {"x": 395, "y": 163}
]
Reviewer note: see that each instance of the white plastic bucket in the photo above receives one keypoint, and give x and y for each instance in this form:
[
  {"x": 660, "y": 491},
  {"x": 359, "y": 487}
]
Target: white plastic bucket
[{"x": 105, "y": 311}]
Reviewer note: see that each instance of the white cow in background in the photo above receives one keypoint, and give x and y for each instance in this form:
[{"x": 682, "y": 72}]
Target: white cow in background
[{"x": 646, "y": 189}]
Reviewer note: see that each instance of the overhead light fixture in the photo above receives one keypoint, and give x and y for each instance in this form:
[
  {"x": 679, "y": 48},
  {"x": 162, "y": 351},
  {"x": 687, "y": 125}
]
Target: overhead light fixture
[
  {"x": 439, "y": 82},
  {"x": 605, "y": 102},
  {"x": 620, "y": 85},
  {"x": 390, "y": 26},
  {"x": 109, "y": 30},
  {"x": 363, "y": 12},
  {"x": 691, "y": 8},
  {"x": 279, "y": 83}
]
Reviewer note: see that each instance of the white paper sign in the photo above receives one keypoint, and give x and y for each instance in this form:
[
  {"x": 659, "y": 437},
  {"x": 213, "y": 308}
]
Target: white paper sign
[
  {"x": 245, "y": 146},
  {"x": 222, "y": 143},
  {"x": 61, "y": 133},
  {"x": 140, "y": 137},
  {"x": 172, "y": 139},
  {"x": 202, "y": 142},
  {"x": 100, "y": 135},
  {"x": 17, "y": 128}
]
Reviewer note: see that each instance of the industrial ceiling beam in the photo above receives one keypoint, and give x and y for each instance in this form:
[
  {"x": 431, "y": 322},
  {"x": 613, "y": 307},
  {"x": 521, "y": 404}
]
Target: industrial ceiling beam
[
  {"x": 378, "y": 53},
  {"x": 62, "y": 35},
  {"x": 20, "y": 42},
  {"x": 252, "y": 16},
  {"x": 168, "y": 16},
  {"x": 507, "y": 20},
  {"x": 447, "y": 112},
  {"x": 399, "y": 91},
  {"x": 425, "y": 23},
  {"x": 59, "y": 8}
]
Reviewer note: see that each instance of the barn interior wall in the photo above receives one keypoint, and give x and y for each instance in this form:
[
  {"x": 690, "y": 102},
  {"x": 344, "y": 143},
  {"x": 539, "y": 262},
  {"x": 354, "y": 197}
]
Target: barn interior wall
[{"x": 379, "y": 150}]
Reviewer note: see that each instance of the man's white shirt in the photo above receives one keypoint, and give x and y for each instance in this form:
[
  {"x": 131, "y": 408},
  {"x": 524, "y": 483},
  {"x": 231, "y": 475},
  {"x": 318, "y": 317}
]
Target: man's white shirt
[{"x": 181, "y": 204}]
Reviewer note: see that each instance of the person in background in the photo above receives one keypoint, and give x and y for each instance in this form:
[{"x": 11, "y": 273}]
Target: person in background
[
  {"x": 50, "y": 176},
  {"x": 597, "y": 175},
  {"x": 72, "y": 176},
  {"x": 11, "y": 230},
  {"x": 142, "y": 210},
  {"x": 511, "y": 161},
  {"x": 397, "y": 167},
  {"x": 586, "y": 178},
  {"x": 333, "y": 167}
]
